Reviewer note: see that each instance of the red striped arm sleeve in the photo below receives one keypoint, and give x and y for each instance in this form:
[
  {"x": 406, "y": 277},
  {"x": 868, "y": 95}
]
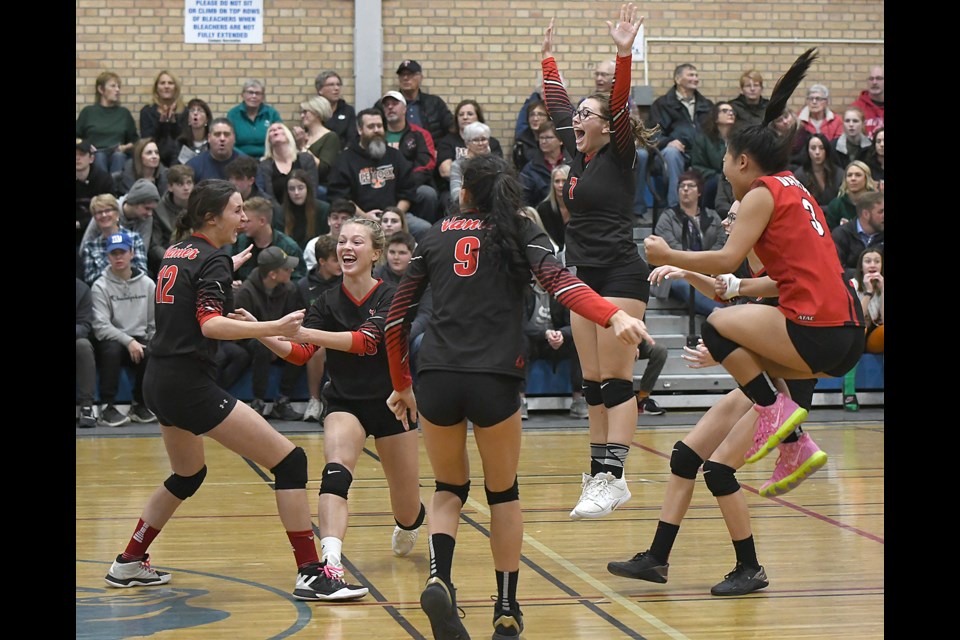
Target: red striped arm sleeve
[
  {"x": 401, "y": 313},
  {"x": 572, "y": 292},
  {"x": 554, "y": 94},
  {"x": 622, "y": 130},
  {"x": 365, "y": 339},
  {"x": 300, "y": 353}
]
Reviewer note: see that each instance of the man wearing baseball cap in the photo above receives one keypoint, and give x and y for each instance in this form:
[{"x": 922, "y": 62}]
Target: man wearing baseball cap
[
  {"x": 416, "y": 145},
  {"x": 269, "y": 295},
  {"x": 423, "y": 109},
  {"x": 91, "y": 181}
]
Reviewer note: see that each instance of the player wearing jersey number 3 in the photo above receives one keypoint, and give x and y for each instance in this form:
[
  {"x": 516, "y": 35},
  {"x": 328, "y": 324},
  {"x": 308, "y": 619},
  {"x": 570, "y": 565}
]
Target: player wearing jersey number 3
[
  {"x": 816, "y": 329},
  {"x": 470, "y": 366}
]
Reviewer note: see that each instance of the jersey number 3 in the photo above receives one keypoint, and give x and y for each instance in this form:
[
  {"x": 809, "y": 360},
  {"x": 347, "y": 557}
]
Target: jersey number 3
[
  {"x": 465, "y": 254},
  {"x": 165, "y": 281}
]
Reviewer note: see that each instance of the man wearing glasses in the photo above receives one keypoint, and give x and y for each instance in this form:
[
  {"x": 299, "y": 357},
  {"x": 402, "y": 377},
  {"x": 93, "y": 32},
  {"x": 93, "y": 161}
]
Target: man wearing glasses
[
  {"x": 870, "y": 101},
  {"x": 816, "y": 117}
]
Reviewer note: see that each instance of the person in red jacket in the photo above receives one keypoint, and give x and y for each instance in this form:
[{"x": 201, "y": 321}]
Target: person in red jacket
[
  {"x": 816, "y": 116},
  {"x": 870, "y": 101}
]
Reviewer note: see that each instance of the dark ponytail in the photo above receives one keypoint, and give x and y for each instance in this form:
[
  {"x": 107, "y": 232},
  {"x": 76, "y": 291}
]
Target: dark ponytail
[
  {"x": 498, "y": 196},
  {"x": 770, "y": 149}
]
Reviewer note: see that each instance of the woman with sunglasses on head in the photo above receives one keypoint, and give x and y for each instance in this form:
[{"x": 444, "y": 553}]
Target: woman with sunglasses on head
[{"x": 603, "y": 139}]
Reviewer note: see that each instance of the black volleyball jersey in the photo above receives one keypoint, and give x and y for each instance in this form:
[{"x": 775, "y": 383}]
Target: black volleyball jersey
[
  {"x": 478, "y": 314},
  {"x": 361, "y": 373},
  {"x": 194, "y": 284},
  {"x": 600, "y": 189}
]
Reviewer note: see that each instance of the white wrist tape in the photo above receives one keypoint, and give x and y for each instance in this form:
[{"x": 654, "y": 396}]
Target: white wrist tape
[{"x": 733, "y": 286}]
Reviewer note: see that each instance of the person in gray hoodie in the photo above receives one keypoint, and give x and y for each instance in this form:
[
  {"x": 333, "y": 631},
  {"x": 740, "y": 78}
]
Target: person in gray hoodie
[{"x": 123, "y": 323}]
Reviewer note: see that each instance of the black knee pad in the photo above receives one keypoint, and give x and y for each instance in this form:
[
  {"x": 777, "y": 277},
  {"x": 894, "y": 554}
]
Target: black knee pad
[
  {"x": 336, "y": 479},
  {"x": 719, "y": 346},
  {"x": 616, "y": 391},
  {"x": 459, "y": 490},
  {"x": 684, "y": 461},
  {"x": 591, "y": 392},
  {"x": 720, "y": 478},
  {"x": 508, "y": 495},
  {"x": 185, "y": 486},
  {"x": 291, "y": 472},
  {"x": 417, "y": 523}
]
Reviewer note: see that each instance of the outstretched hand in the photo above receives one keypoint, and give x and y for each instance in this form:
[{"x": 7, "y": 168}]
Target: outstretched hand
[
  {"x": 624, "y": 31},
  {"x": 546, "y": 49},
  {"x": 243, "y": 256},
  {"x": 666, "y": 272}
]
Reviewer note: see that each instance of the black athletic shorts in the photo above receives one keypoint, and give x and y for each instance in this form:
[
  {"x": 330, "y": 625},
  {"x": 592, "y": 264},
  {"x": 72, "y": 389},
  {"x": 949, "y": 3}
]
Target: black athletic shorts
[
  {"x": 182, "y": 391},
  {"x": 832, "y": 350},
  {"x": 374, "y": 416},
  {"x": 446, "y": 398},
  {"x": 619, "y": 281}
]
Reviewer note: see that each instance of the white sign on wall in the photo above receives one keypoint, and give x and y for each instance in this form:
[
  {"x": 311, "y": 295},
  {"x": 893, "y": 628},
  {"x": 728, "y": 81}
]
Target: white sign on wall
[
  {"x": 206, "y": 21},
  {"x": 638, "y": 45}
]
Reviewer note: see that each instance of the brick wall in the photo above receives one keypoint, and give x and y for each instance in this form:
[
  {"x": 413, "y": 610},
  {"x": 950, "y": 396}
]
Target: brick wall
[{"x": 488, "y": 51}]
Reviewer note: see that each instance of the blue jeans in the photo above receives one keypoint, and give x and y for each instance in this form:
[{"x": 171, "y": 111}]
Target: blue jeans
[
  {"x": 676, "y": 163},
  {"x": 702, "y": 305},
  {"x": 110, "y": 161}
]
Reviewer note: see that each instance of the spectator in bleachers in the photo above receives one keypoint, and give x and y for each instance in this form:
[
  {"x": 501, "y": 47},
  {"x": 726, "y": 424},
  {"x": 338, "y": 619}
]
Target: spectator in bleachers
[
  {"x": 86, "y": 361},
  {"x": 816, "y": 116},
  {"x": 260, "y": 232},
  {"x": 317, "y": 139},
  {"x": 144, "y": 165},
  {"x": 135, "y": 214},
  {"x": 341, "y": 210},
  {"x": 268, "y": 294},
  {"x": 171, "y": 205},
  {"x": 252, "y": 117},
  {"x": 343, "y": 120},
  {"x": 853, "y": 143},
  {"x": 373, "y": 174},
  {"x": 873, "y": 158},
  {"x": 453, "y": 146},
  {"x": 108, "y": 125},
  {"x": 123, "y": 323},
  {"x": 416, "y": 145},
  {"x": 819, "y": 172},
  {"x": 280, "y": 158},
  {"x": 325, "y": 273},
  {"x": 552, "y": 209},
  {"x": 423, "y": 109},
  {"x": 535, "y": 177},
  {"x": 220, "y": 152},
  {"x": 194, "y": 135},
  {"x": 863, "y": 231},
  {"x": 525, "y": 145},
  {"x": 750, "y": 104},
  {"x": 537, "y": 94},
  {"x": 709, "y": 147},
  {"x": 691, "y": 227},
  {"x": 870, "y": 101},
  {"x": 91, "y": 181},
  {"x": 857, "y": 180},
  {"x": 105, "y": 215},
  {"x": 656, "y": 357},
  {"x": 165, "y": 117},
  {"x": 680, "y": 113},
  {"x": 476, "y": 136},
  {"x": 868, "y": 282},
  {"x": 392, "y": 220},
  {"x": 301, "y": 215},
  {"x": 242, "y": 172},
  {"x": 786, "y": 123}
]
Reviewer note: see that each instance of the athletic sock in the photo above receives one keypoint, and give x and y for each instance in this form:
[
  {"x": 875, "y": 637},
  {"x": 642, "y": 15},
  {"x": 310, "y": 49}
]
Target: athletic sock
[
  {"x": 441, "y": 556},
  {"x": 746, "y": 552},
  {"x": 663, "y": 540},
  {"x": 139, "y": 541},
  {"x": 304, "y": 549},
  {"x": 507, "y": 588},
  {"x": 597, "y": 454},
  {"x": 615, "y": 458}
]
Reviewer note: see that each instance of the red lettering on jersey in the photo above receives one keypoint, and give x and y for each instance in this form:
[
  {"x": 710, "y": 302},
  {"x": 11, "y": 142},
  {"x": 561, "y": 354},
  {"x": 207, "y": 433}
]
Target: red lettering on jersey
[
  {"x": 455, "y": 223},
  {"x": 573, "y": 183},
  {"x": 188, "y": 252}
]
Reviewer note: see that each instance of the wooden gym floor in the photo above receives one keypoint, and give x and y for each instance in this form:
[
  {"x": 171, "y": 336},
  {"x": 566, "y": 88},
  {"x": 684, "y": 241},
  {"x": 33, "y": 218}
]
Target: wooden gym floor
[{"x": 822, "y": 545}]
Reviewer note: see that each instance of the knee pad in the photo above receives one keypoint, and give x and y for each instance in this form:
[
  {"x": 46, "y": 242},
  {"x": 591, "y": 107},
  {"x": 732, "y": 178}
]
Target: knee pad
[
  {"x": 417, "y": 522},
  {"x": 336, "y": 479},
  {"x": 591, "y": 392},
  {"x": 291, "y": 472},
  {"x": 508, "y": 495},
  {"x": 459, "y": 490},
  {"x": 684, "y": 461},
  {"x": 616, "y": 391},
  {"x": 185, "y": 486},
  {"x": 720, "y": 478},
  {"x": 719, "y": 346}
]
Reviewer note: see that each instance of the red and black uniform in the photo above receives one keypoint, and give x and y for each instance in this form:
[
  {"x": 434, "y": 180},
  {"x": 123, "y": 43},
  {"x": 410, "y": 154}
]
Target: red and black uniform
[
  {"x": 600, "y": 189},
  {"x": 194, "y": 284},
  {"x": 478, "y": 313},
  {"x": 359, "y": 378}
]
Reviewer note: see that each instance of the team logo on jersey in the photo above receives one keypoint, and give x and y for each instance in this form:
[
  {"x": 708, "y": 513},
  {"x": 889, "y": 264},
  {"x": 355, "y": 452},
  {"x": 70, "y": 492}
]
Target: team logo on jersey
[
  {"x": 376, "y": 177},
  {"x": 188, "y": 252},
  {"x": 455, "y": 223}
]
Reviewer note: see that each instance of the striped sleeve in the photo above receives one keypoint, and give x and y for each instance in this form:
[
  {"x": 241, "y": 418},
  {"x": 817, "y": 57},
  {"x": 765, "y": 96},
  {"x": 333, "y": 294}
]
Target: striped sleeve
[
  {"x": 622, "y": 133},
  {"x": 401, "y": 314}
]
